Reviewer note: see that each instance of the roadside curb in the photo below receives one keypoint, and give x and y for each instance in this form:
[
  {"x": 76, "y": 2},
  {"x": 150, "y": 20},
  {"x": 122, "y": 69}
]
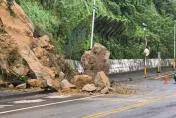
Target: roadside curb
[{"x": 8, "y": 95}]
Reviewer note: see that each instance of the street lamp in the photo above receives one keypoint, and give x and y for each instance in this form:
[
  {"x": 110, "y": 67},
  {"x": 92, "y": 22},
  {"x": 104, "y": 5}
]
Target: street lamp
[
  {"x": 146, "y": 50},
  {"x": 93, "y": 22}
]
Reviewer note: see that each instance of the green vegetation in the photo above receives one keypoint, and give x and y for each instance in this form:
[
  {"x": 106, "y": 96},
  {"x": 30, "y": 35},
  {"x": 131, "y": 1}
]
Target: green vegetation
[
  {"x": 69, "y": 23},
  {"x": 9, "y": 4}
]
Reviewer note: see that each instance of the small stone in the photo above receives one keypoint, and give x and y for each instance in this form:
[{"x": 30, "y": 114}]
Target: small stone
[
  {"x": 51, "y": 73},
  {"x": 99, "y": 88},
  {"x": 20, "y": 69},
  {"x": 43, "y": 41},
  {"x": 2, "y": 83},
  {"x": 43, "y": 83},
  {"x": 34, "y": 82},
  {"x": 111, "y": 89},
  {"x": 11, "y": 86},
  {"x": 56, "y": 84},
  {"x": 66, "y": 84},
  {"x": 38, "y": 52},
  {"x": 65, "y": 90},
  {"x": 105, "y": 90},
  {"x": 89, "y": 88},
  {"x": 101, "y": 80},
  {"x": 61, "y": 75},
  {"x": 81, "y": 80},
  {"x": 21, "y": 86}
]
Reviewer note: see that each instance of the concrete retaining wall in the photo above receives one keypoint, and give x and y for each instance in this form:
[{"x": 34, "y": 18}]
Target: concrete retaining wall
[{"x": 126, "y": 65}]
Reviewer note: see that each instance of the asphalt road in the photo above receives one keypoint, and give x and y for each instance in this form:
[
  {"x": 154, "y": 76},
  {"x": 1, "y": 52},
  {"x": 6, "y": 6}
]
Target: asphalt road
[
  {"x": 138, "y": 74},
  {"x": 158, "y": 101}
]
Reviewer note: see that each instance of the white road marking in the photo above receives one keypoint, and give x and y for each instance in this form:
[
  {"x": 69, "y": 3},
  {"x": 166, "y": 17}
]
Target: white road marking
[
  {"x": 120, "y": 100},
  {"x": 2, "y": 106},
  {"x": 59, "y": 96},
  {"x": 28, "y": 101},
  {"x": 38, "y": 106}
]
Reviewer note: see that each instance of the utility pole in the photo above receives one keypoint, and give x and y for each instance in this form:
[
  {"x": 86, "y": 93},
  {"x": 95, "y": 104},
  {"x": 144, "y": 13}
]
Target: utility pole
[{"x": 93, "y": 22}]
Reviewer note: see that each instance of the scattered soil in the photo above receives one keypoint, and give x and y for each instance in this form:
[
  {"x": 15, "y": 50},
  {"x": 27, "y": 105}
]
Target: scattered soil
[
  {"x": 119, "y": 89},
  {"x": 14, "y": 90}
]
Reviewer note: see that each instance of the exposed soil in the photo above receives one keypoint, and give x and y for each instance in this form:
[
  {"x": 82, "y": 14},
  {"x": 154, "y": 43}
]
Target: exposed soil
[{"x": 18, "y": 46}]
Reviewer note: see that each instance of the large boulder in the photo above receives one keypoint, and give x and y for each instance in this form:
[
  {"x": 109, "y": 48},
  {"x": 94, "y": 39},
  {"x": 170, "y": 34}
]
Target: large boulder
[
  {"x": 96, "y": 60},
  {"x": 101, "y": 80},
  {"x": 81, "y": 80},
  {"x": 89, "y": 87}
]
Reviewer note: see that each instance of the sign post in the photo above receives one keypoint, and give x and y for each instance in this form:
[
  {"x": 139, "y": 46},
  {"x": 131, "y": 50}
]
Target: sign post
[{"x": 159, "y": 62}]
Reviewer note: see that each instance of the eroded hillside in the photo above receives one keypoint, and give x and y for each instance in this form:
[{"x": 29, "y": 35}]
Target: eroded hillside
[{"x": 23, "y": 55}]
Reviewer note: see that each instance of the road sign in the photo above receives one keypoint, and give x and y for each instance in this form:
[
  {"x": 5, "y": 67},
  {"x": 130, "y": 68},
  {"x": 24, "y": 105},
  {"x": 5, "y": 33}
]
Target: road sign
[{"x": 146, "y": 52}]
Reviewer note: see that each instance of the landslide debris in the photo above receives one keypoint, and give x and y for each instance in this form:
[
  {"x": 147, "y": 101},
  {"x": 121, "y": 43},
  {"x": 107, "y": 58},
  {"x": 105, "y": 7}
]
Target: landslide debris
[
  {"x": 27, "y": 61},
  {"x": 23, "y": 57}
]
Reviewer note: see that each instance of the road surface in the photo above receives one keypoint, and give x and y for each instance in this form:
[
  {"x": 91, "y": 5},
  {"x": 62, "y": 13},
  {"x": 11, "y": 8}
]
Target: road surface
[{"x": 159, "y": 101}]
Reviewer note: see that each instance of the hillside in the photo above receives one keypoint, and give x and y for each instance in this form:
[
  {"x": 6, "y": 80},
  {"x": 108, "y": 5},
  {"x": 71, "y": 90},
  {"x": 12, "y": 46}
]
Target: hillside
[{"x": 63, "y": 19}]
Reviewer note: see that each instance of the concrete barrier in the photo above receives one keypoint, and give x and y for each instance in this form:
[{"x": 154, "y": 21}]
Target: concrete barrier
[
  {"x": 126, "y": 65},
  {"x": 129, "y": 65}
]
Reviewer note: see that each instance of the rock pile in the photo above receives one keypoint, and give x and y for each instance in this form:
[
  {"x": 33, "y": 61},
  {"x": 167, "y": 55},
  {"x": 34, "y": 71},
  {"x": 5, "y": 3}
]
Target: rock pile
[
  {"x": 27, "y": 61},
  {"x": 85, "y": 83}
]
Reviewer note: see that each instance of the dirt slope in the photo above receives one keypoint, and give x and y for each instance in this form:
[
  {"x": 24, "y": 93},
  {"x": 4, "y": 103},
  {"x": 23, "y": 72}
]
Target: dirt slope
[{"x": 19, "y": 29}]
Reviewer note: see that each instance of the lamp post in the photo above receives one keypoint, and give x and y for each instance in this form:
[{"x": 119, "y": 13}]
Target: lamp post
[
  {"x": 145, "y": 50},
  {"x": 93, "y": 22}
]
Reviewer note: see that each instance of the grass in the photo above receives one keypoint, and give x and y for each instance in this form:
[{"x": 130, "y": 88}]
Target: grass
[{"x": 42, "y": 19}]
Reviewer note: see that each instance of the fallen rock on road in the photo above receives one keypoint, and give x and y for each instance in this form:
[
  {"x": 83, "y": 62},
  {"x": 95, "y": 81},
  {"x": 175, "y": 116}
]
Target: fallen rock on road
[
  {"x": 101, "y": 80},
  {"x": 81, "y": 80},
  {"x": 89, "y": 87},
  {"x": 96, "y": 60}
]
